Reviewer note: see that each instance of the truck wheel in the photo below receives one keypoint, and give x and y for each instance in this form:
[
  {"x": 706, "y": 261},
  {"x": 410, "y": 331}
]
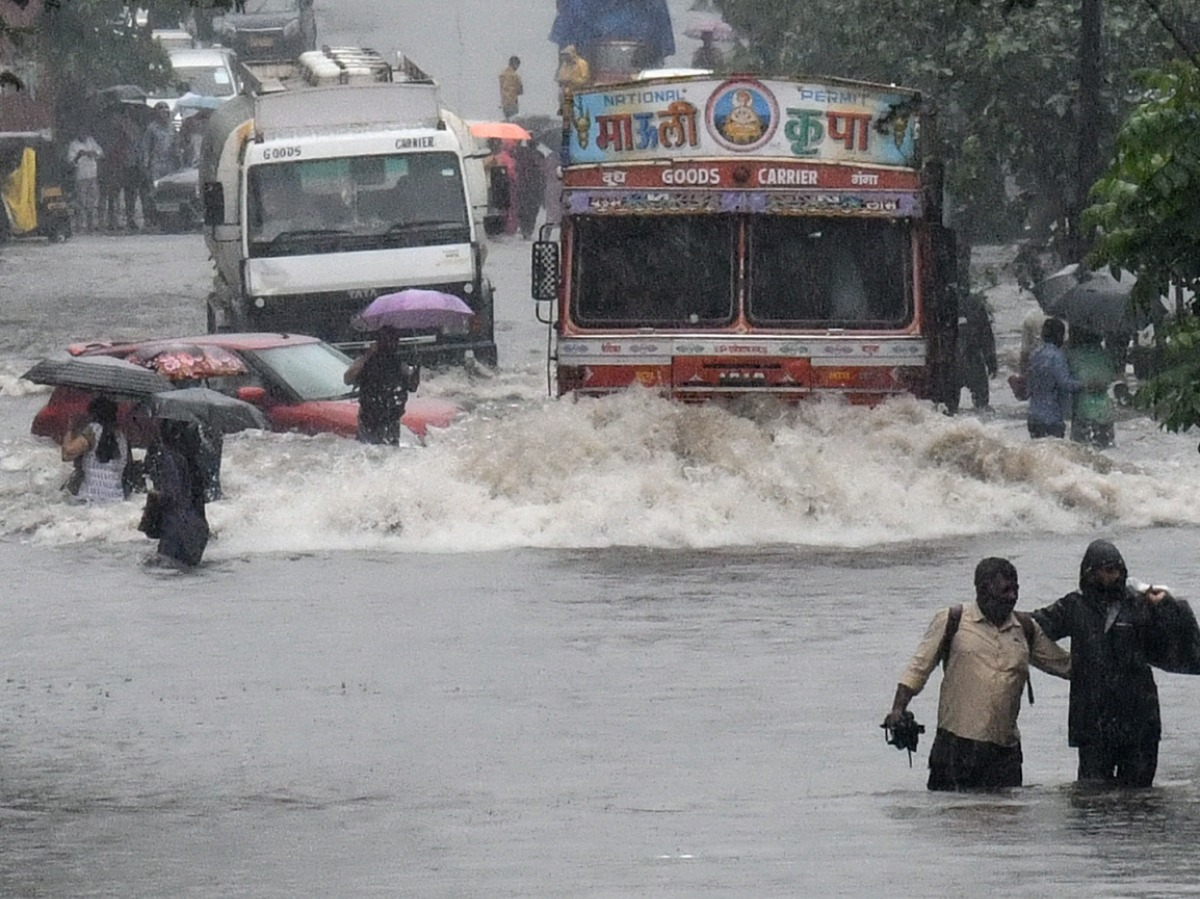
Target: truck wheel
[{"x": 489, "y": 356}]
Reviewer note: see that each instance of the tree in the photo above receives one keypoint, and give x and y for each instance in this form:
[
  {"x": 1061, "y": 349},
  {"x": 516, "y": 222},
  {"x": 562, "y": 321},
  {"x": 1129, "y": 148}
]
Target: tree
[
  {"x": 90, "y": 44},
  {"x": 1005, "y": 77},
  {"x": 1147, "y": 211}
]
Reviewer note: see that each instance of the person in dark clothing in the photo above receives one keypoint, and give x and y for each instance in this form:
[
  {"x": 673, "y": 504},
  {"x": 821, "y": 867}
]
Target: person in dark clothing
[
  {"x": 208, "y": 456},
  {"x": 179, "y": 483},
  {"x": 384, "y": 381},
  {"x": 707, "y": 56},
  {"x": 976, "y": 349},
  {"x": 1117, "y": 633},
  {"x": 118, "y": 174},
  {"x": 530, "y": 186}
]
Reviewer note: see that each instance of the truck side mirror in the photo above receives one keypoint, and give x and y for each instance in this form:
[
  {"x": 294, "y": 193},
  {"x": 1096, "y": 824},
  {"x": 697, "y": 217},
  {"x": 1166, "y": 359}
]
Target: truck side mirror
[
  {"x": 214, "y": 203},
  {"x": 544, "y": 280}
]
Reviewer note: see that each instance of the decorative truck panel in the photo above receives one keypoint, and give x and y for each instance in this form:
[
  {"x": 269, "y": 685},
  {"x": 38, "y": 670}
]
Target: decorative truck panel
[{"x": 816, "y": 121}]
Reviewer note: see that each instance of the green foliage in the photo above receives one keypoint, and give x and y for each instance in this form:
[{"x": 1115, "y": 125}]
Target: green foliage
[
  {"x": 90, "y": 44},
  {"x": 1147, "y": 205},
  {"x": 1004, "y": 79},
  {"x": 1173, "y": 395},
  {"x": 1147, "y": 209}
]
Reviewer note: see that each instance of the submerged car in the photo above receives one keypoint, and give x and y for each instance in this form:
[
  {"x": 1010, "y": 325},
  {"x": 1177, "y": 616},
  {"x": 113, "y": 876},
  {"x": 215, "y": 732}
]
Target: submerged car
[
  {"x": 268, "y": 30},
  {"x": 295, "y": 380}
]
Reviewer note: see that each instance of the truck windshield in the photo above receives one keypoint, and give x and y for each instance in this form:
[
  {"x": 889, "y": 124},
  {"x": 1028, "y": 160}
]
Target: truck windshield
[
  {"x": 661, "y": 272},
  {"x": 338, "y": 205},
  {"x": 829, "y": 272}
]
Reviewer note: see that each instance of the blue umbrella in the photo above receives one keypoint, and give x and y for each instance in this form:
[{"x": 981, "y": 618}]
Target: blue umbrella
[{"x": 197, "y": 101}]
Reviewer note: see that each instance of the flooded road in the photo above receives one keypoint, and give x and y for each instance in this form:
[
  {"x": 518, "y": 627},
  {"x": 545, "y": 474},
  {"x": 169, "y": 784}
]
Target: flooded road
[{"x": 549, "y": 723}]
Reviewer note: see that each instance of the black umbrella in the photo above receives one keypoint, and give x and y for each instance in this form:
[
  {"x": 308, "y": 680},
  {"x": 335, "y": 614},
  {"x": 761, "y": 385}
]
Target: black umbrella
[
  {"x": 122, "y": 93},
  {"x": 207, "y": 408},
  {"x": 102, "y": 374}
]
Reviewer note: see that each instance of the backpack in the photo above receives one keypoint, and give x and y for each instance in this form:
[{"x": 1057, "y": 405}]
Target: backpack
[{"x": 954, "y": 618}]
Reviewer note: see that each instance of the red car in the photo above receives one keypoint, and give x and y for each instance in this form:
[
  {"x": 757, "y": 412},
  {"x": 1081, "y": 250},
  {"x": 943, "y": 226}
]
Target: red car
[{"x": 295, "y": 380}]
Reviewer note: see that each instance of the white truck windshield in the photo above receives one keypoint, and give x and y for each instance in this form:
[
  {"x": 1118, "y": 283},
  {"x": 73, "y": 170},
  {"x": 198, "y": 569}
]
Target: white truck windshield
[{"x": 356, "y": 203}]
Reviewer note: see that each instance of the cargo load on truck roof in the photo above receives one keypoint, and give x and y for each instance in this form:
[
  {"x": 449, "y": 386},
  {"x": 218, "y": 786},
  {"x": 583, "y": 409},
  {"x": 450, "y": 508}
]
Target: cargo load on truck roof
[{"x": 331, "y": 66}]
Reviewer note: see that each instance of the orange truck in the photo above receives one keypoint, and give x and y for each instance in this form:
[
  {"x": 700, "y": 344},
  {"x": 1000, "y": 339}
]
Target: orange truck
[{"x": 724, "y": 236}]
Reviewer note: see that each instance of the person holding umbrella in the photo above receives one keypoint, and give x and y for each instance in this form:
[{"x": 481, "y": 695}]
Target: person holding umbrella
[
  {"x": 174, "y": 510},
  {"x": 1094, "y": 413},
  {"x": 384, "y": 381},
  {"x": 100, "y": 453}
]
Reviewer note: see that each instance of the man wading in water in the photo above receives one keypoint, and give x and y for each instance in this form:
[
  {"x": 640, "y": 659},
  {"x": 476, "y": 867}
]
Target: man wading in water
[{"x": 978, "y": 746}]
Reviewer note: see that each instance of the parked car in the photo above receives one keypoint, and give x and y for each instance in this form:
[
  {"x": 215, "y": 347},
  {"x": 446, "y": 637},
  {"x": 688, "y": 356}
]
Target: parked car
[
  {"x": 206, "y": 72},
  {"x": 268, "y": 30},
  {"x": 174, "y": 38},
  {"x": 294, "y": 379},
  {"x": 176, "y": 199}
]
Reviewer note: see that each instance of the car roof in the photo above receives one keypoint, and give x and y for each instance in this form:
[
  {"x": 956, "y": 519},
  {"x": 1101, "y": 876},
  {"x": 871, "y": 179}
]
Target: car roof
[
  {"x": 200, "y": 56},
  {"x": 249, "y": 341}
]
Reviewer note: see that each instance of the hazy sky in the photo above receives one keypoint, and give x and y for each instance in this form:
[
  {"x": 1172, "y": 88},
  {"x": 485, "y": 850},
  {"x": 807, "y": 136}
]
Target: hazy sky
[{"x": 465, "y": 43}]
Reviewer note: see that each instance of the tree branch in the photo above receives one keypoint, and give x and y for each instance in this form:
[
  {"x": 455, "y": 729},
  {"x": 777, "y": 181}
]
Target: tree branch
[{"x": 1192, "y": 53}]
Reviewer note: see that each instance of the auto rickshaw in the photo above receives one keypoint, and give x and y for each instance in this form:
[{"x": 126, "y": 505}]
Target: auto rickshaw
[{"x": 31, "y": 187}]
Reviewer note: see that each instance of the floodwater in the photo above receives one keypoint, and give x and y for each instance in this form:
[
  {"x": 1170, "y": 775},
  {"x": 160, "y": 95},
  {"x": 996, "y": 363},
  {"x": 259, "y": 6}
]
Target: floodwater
[
  {"x": 602, "y": 648},
  {"x": 593, "y": 648}
]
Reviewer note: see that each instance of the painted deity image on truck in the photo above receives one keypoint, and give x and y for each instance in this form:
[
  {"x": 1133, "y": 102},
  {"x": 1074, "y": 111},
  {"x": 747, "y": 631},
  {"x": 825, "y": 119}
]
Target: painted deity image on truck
[{"x": 721, "y": 237}]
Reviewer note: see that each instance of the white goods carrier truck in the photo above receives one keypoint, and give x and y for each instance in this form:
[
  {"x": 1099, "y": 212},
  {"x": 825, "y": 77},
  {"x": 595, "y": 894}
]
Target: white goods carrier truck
[{"x": 335, "y": 179}]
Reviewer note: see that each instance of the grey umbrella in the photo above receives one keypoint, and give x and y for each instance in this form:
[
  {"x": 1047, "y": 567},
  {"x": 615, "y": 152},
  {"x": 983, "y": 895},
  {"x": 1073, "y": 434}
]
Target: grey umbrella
[
  {"x": 1093, "y": 301},
  {"x": 208, "y": 408},
  {"x": 102, "y": 374}
]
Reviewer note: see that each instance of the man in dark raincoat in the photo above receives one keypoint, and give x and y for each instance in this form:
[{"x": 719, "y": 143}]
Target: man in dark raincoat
[{"x": 1117, "y": 632}]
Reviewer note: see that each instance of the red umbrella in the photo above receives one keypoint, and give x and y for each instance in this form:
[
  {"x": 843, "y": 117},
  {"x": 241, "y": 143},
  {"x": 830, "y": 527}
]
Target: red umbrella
[
  {"x": 414, "y": 309},
  {"x": 502, "y": 130}
]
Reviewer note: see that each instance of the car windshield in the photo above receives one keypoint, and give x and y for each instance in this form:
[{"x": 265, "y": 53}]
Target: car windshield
[
  {"x": 209, "y": 81},
  {"x": 312, "y": 370},
  {"x": 356, "y": 203},
  {"x": 262, "y": 6}
]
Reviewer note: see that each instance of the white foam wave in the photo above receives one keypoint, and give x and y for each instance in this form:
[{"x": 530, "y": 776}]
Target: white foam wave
[{"x": 637, "y": 470}]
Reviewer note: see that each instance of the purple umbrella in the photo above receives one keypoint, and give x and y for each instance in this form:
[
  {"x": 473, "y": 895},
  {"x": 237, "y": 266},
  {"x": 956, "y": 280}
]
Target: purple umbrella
[
  {"x": 720, "y": 31},
  {"x": 414, "y": 309}
]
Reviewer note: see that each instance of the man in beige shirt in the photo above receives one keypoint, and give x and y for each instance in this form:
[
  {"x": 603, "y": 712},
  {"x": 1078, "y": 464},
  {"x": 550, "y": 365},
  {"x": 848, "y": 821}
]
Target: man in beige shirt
[{"x": 978, "y": 746}]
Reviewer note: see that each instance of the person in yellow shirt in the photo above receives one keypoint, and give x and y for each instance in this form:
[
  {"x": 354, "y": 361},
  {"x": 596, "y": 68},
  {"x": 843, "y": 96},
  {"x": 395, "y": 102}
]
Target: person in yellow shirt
[
  {"x": 511, "y": 88},
  {"x": 987, "y": 659},
  {"x": 573, "y": 72}
]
